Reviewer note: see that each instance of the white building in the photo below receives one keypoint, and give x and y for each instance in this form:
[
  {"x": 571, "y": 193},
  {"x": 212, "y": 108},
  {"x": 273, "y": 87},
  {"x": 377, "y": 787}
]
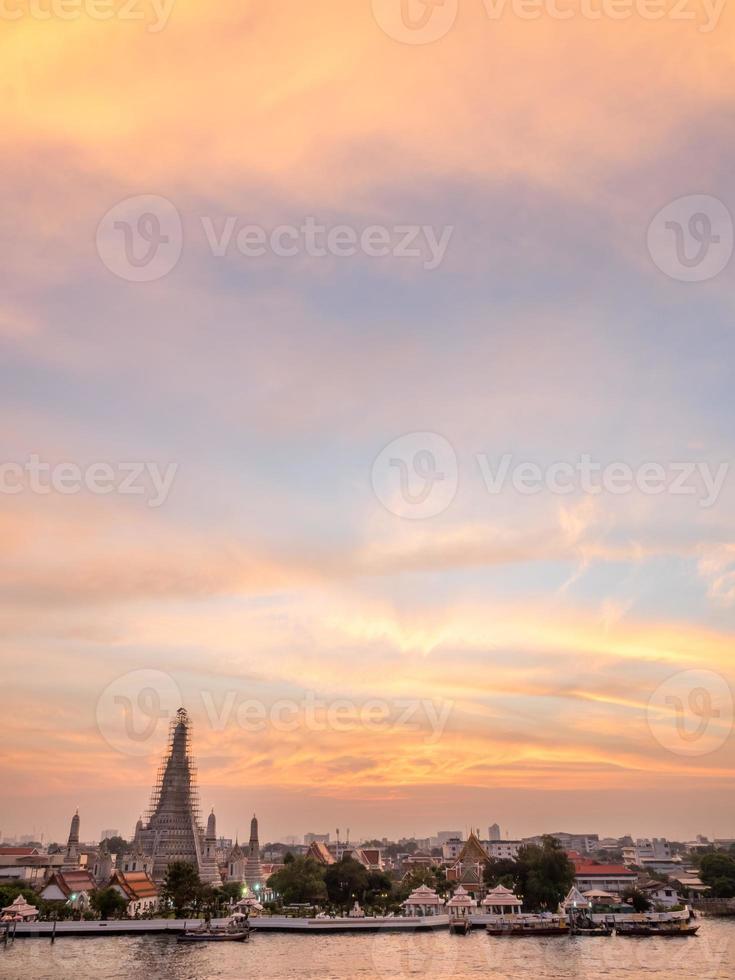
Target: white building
[
  {"x": 452, "y": 848},
  {"x": 503, "y": 849}
]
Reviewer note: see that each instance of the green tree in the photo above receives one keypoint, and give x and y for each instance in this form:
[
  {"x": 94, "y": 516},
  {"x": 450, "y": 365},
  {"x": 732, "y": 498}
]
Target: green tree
[
  {"x": 231, "y": 891},
  {"x": 504, "y": 871},
  {"x": 181, "y": 886},
  {"x": 10, "y": 891},
  {"x": 346, "y": 881},
  {"x": 636, "y": 898},
  {"x": 718, "y": 871},
  {"x": 299, "y": 881},
  {"x": 108, "y": 903},
  {"x": 544, "y": 875},
  {"x": 378, "y": 889},
  {"x": 117, "y": 845},
  {"x": 551, "y": 875}
]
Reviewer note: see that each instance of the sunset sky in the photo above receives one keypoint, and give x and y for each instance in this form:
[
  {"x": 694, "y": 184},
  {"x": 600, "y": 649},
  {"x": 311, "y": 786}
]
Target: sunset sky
[{"x": 276, "y": 568}]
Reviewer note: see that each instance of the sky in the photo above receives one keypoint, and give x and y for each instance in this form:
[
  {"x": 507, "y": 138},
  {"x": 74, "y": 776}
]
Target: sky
[{"x": 367, "y": 390}]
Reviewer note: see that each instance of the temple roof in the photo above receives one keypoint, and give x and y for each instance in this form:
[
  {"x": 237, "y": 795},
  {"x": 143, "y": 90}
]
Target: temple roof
[
  {"x": 473, "y": 851},
  {"x": 135, "y": 884}
]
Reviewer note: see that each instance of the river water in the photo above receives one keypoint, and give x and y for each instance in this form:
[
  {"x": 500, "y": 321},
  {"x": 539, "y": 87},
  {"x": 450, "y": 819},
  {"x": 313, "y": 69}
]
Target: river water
[{"x": 382, "y": 956}]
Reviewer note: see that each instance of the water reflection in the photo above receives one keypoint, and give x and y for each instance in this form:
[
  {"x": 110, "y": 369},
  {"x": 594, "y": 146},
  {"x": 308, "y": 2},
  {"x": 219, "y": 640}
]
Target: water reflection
[{"x": 383, "y": 956}]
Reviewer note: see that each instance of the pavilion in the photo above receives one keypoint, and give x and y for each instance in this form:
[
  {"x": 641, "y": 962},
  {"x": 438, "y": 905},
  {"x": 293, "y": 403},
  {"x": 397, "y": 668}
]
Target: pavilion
[
  {"x": 598, "y": 897},
  {"x": 576, "y": 900},
  {"x": 19, "y": 911},
  {"x": 461, "y": 904},
  {"x": 423, "y": 901},
  {"x": 501, "y": 901}
]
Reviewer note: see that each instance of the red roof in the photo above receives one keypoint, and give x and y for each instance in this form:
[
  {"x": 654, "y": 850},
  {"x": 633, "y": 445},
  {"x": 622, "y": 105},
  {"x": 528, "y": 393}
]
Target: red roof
[
  {"x": 593, "y": 870},
  {"x": 18, "y": 851},
  {"x": 71, "y": 881},
  {"x": 135, "y": 884}
]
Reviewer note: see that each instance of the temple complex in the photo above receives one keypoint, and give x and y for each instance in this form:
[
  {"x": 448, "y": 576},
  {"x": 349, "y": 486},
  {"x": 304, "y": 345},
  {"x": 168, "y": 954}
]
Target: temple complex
[{"x": 173, "y": 832}]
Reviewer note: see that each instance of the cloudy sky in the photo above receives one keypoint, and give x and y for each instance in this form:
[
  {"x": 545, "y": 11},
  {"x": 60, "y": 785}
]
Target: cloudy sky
[{"x": 522, "y": 256}]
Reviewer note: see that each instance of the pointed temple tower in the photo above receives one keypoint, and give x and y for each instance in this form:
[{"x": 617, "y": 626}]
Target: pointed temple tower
[
  {"x": 71, "y": 855},
  {"x": 253, "y": 870},
  {"x": 236, "y": 863},
  {"x": 173, "y": 832},
  {"x": 104, "y": 865}
]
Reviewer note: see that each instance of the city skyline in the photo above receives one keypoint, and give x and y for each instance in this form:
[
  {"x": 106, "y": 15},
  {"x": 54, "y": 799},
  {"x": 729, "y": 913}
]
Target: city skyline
[{"x": 351, "y": 365}]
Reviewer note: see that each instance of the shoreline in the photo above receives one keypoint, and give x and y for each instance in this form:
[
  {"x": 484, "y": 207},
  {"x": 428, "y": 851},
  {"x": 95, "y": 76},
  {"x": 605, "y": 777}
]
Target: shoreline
[{"x": 276, "y": 923}]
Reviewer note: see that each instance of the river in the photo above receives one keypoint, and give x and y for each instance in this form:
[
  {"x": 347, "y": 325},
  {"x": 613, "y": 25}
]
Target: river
[{"x": 386, "y": 956}]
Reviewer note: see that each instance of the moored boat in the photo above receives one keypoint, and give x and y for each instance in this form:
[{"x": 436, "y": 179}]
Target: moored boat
[
  {"x": 204, "y": 936},
  {"x": 667, "y": 929},
  {"x": 552, "y": 925},
  {"x": 236, "y": 930},
  {"x": 460, "y": 926}
]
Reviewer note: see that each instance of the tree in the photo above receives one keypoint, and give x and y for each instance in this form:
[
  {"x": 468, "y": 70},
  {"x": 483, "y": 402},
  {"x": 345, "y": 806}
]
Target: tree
[
  {"x": 299, "y": 881},
  {"x": 541, "y": 875},
  {"x": 231, "y": 891},
  {"x": 181, "y": 886},
  {"x": 504, "y": 871},
  {"x": 346, "y": 881},
  {"x": 117, "y": 845},
  {"x": 378, "y": 889},
  {"x": 718, "y": 871},
  {"x": 636, "y": 898},
  {"x": 108, "y": 902},
  {"x": 550, "y": 875},
  {"x": 10, "y": 891}
]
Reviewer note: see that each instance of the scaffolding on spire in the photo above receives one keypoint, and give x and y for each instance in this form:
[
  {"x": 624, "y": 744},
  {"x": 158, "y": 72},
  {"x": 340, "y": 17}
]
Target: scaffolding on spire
[{"x": 173, "y": 830}]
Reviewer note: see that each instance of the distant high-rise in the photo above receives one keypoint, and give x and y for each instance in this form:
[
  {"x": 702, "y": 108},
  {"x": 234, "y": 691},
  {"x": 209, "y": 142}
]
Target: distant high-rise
[
  {"x": 173, "y": 832},
  {"x": 493, "y": 832}
]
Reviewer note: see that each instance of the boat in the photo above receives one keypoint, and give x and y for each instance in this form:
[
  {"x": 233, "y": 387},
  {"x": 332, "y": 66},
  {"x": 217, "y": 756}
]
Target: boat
[
  {"x": 552, "y": 925},
  {"x": 580, "y": 924},
  {"x": 211, "y": 936},
  {"x": 667, "y": 929},
  {"x": 235, "y": 930},
  {"x": 460, "y": 926}
]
